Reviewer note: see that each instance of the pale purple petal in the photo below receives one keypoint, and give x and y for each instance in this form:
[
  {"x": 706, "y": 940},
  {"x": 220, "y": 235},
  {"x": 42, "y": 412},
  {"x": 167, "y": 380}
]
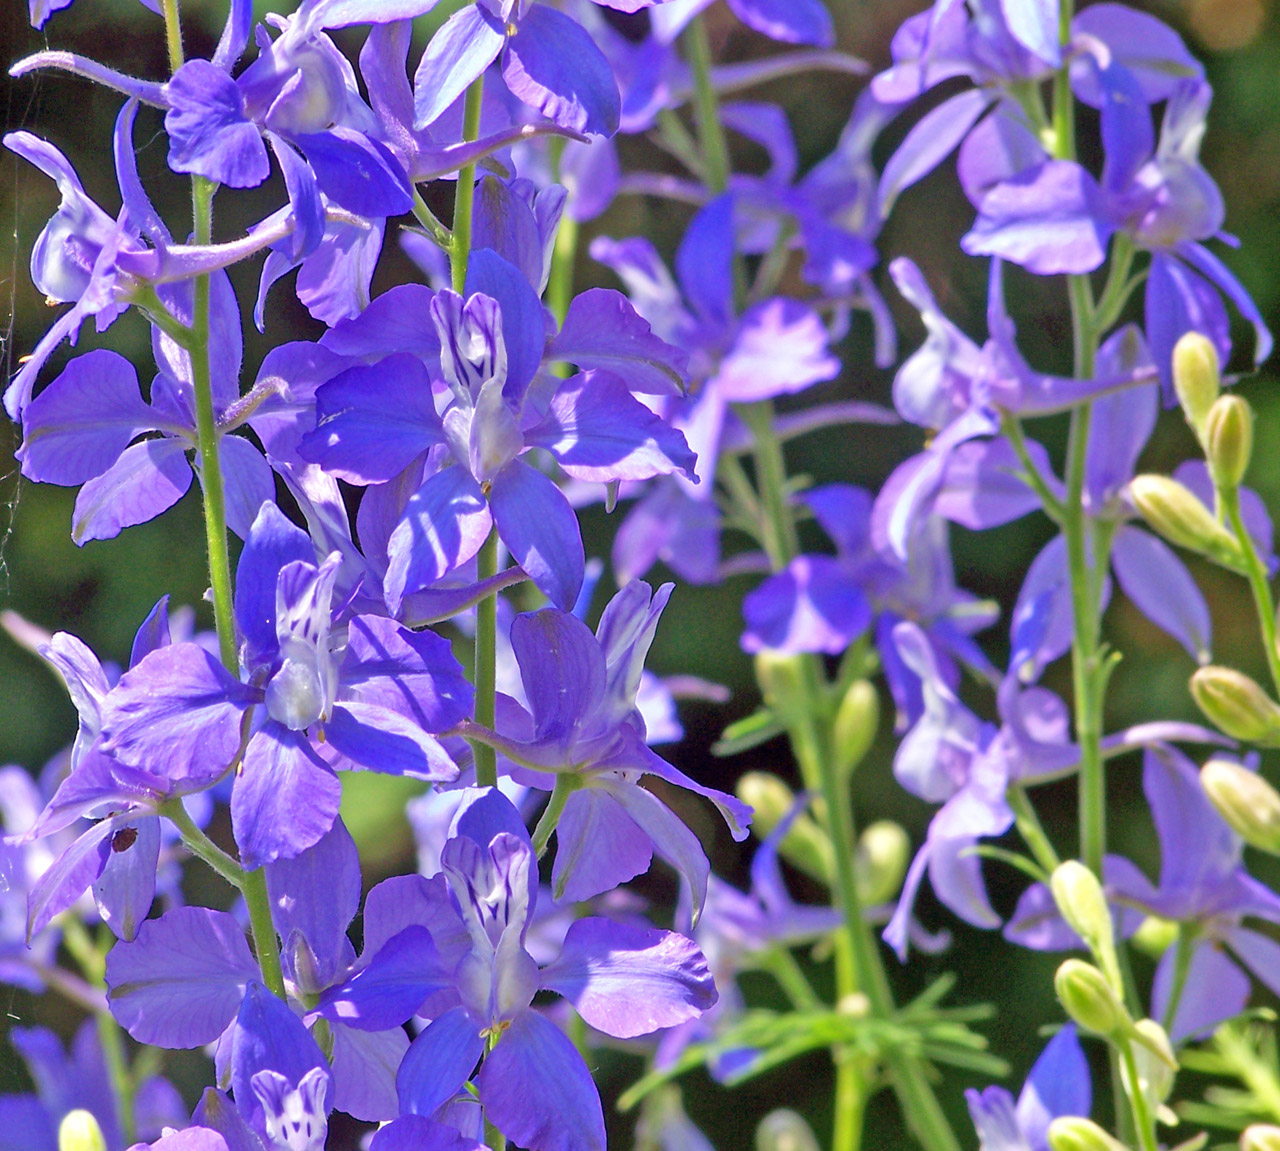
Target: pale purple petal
[
  {"x": 813, "y": 605},
  {"x": 317, "y": 894},
  {"x": 147, "y": 479},
  {"x": 438, "y": 1063},
  {"x": 1259, "y": 953},
  {"x": 603, "y": 330},
  {"x": 459, "y": 52},
  {"x": 209, "y": 133},
  {"x": 285, "y": 798},
  {"x": 627, "y": 980},
  {"x": 248, "y": 483},
  {"x": 929, "y": 143},
  {"x": 553, "y": 64},
  {"x": 537, "y": 1090},
  {"x": 127, "y": 886},
  {"x": 1057, "y": 1085},
  {"x": 1180, "y": 301},
  {"x": 1138, "y": 41},
  {"x": 180, "y": 982},
  {"x": 788, "y": 21},
  {"x": 80, "y": 424},
  {"x": 599, "y": 432},
  {"x": 177, "y": 714},
  {"x": 1216, "y": 271},
  {"x": 1215, "y": 989},
  {"x": 397, "y": 981},
  {"x": 982, "y": 485},
  {"x": 357, "y": 172},
  {"x": 598, "y": 846},
  {"x": 1160, "y": 586},
  {"x": 393, "y": 322},
  {"x": 780, "y": 348},
  {"x": 377, "y": 738},
  {"x": 70, "y": 875},
  {"x": 364, "y": 1072},
  {"x": 444, "y": 525},
  {"x": 1047, "y": 220},
  {"x": 540, "y": 530},
  {"x": 273, "y": 541}
]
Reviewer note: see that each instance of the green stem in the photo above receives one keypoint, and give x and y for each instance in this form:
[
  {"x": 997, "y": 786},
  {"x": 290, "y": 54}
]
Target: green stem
[
  {"x": 1030, "y": 828},
  {"x": 782, "y": 965},
  {"x": 1259, "y": 581},
  {"x": 1012, "y": 428},
  {"x": 427, "y": 218},
  {"x": 486, "y": 662},
  {"x": 778, "y": 528},
  {"x": 264, "y": 930},
  {"x": 566, "y": 785},
  {"x": 465, "y": 192},
  {"x": 1181, "y": 969},
  {"x": 201, "y": 846},
  {"x": 565, "y": 252},
  {"x": 706, "y": 109},
  {"x": 172, "y": 33},
  {"x": 209, "y": 440},
  {"x": 1143, "y": 1120}
]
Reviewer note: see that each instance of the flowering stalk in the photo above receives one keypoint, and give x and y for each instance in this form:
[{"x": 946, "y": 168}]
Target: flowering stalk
[{"x": 1259, "y": 582}]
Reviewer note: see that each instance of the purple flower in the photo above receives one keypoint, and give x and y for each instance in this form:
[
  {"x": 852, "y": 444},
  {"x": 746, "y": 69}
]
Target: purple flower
[
  {"x": 533, "y": 1084},
  {"x": 1203, "y": 886},
  {"x": 583, "y": 723},
  {"x": 374, "y": 422},
  {"x": 548, "y": 61},
  {"x": 367, "y": 703},
  {"x": 1058, "y": 1085}
]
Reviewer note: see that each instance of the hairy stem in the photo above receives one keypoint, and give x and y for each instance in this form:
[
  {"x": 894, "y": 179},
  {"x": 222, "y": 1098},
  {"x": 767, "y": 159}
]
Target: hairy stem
[
  {"x": 465, "y": 191},
  {"x": 486, "y": 662}
]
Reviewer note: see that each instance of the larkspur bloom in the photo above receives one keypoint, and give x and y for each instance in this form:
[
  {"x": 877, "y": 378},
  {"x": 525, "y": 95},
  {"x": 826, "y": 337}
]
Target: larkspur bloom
[
  {"x": 464, "y": 957},
  {"x": 584, "y": 733},
  {"x": 1057, "y": 1085},
  {"x": 1203, "y": 886},
  {"x": 360, "y": 695}
]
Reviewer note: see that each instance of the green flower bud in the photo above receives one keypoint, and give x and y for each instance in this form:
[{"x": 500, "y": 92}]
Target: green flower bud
[
  {"x": 1237, "y": 705},
  {"x": 79, "y": 1131},
  {"x": 781, "y": 679},
  {"x": 884, "y": 850},
  {"x": 1196, "y": 377},
  {"x": 1155, "y": 936},
  {"x": 854, "y": 729},
  {"x": 1249, "y": 804},
  {"x": 1075, "y": 1133},
  {"x": 1083, "y": 905},
  {"x": 805, "y": 846},
  {"x": 1260, "y": 1137},
  {"x": 1228, "y": 440},
  {"x": 1089, "y": 999},
  {"x": 1175, "y": 513},
  {"x": 1156, "y": 1066},
  {"x": 785, "y": 1130}
]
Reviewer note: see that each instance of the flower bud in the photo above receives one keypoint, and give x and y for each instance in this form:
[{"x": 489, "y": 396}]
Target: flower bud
[
  {"x": 1248, "y": 803},
  {"x": 1174, "y": 512},
  {"x": 1075, "y": 1133},
  {"x": 1260, "y": 1137},
  {"x": 1155, "y": 1063},
  {"x": 854, "y": 729},
  {"x": 1155, "y": 936},
  {"x": 1089, "y": 999},
  {"x": 1228, "y": 440},
  {"x": 884, "y": 850},
  {"x": 1196, "y": 377},
  {"x": 79, "y": 1131},
  {"x": 785, "y": 1130},
  {"x": 782, "y": 683},
  {"x": 1083, "y": 905},
  {"x": 805, "y": 845},
  {"x": 1237, "y": 705}
]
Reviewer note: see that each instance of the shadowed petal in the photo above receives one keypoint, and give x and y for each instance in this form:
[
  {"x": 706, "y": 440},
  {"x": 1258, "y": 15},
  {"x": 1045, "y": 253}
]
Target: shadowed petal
[
  {"x": 540, "y": 530},
  {"x": 1154, "y": 578},
  {"x": 438, "y": 1063},
  {"x": 538, "y": 1092}
]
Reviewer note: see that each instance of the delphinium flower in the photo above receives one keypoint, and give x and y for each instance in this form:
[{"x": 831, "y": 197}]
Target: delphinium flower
[
  {"x": 369, "y": 702},
  {"x": 1203, "y": 886},
  {"x": 583, "y": 739},
  {"x": 1057, "y": 1085},
  {"x": 463, "y": 954},
  {"x": 81, "y": 428},
  {"x": 491, "y": 345},
  {"x": 66, "y": 1080},
  {"x": 777, "y": 346}
]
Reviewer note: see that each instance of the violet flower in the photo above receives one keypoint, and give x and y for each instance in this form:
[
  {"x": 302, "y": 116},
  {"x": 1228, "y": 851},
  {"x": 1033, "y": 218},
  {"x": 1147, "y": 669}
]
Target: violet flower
[
  {"x": 1203, "y": 886},
  {"x": 368, "y": 703},
  {"x": 1057, "y": 1085},
  {"x": 374, "y": 422},
  {"x": 583, "y": 731},
  {"x": 533, "y": 1084}
]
